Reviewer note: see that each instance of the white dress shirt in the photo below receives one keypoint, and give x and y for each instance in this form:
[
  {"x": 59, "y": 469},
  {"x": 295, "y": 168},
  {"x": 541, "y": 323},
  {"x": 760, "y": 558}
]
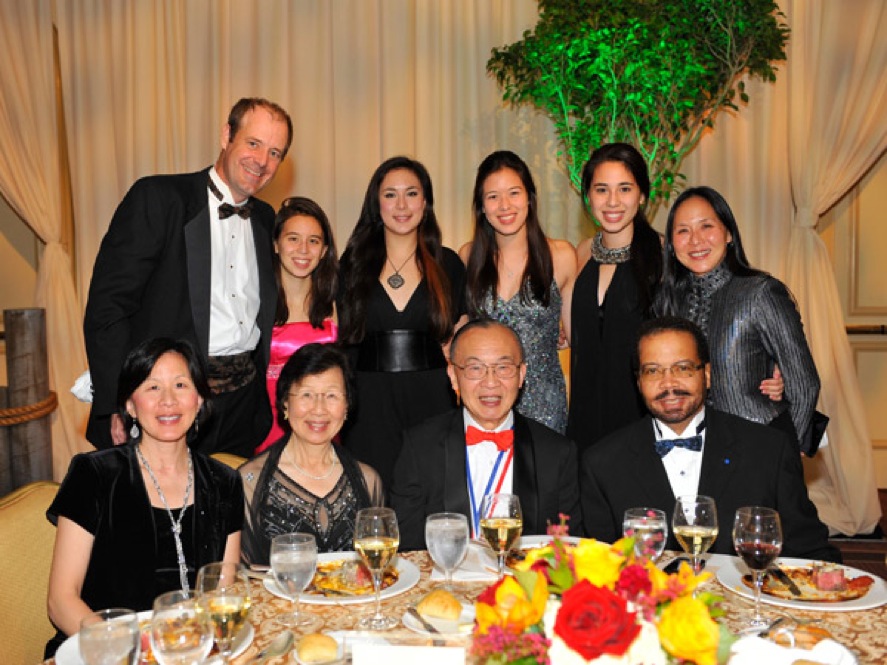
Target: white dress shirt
[
  {"x": 682, "y": 466},
  {"x": 482, "y": 460}
]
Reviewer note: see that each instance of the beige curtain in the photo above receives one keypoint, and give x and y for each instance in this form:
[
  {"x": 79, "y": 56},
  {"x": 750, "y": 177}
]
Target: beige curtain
[
  {"x": 29, "y": 181},
  {"x": 838, "y": 131}
]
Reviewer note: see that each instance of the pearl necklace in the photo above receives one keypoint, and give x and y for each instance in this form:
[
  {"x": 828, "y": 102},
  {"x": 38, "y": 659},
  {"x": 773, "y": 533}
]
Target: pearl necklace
[
  {"x": 176, "y": 523},
  {"x": 603, "y": 254},
  {"x": 324, "y": 476}
]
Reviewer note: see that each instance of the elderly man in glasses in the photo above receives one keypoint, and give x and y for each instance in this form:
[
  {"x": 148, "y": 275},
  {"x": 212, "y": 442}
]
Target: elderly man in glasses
[
  {"x": 684, "y": 447},
  {"x": 450, "y": 462}
]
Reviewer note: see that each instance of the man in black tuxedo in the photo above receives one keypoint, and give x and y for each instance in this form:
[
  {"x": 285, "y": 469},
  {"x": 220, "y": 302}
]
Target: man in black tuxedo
[
  {"x": 688, "y": 448},
  {"x": 449, "y": 462},
  {"x": 188, "y": 256}
]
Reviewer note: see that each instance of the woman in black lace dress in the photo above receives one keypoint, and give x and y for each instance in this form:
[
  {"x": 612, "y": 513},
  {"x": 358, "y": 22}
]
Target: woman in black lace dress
[{"x": 305, "y": 482}]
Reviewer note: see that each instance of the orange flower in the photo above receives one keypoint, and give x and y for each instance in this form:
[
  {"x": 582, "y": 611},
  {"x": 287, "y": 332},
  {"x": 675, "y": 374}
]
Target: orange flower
[
  {"x": 688, "y": 632},
  {"x": 514, "y": 610}
]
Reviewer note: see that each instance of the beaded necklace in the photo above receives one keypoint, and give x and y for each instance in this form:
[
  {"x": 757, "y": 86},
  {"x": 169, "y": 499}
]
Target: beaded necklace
[{"x": 603, "y": 254}]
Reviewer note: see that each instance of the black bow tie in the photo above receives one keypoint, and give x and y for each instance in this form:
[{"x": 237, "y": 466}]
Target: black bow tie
[
  {"x": 226, "y": 210},
  {"x": 693, "y": 443}
]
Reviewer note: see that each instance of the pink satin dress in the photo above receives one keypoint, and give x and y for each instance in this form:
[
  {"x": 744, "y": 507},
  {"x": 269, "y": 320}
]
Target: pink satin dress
[{"x": 285, "y": 341}]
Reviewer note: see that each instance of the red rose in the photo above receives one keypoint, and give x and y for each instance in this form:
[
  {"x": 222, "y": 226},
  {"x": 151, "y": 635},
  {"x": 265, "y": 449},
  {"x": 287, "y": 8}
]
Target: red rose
[
  {"x": 593, "y": 621},
  {"x": 633, "y": 581}
]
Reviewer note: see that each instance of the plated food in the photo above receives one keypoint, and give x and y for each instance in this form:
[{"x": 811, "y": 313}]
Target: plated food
[
  {"x": 347, "y": 577},
  {"x": 815, "y": 582}
]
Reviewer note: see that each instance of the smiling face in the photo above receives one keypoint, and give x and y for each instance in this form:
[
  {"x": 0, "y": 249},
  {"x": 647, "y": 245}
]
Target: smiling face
[
  {"x": 401, "y": 201},
  {"x": 614, "y": 197},
  {"x": 251, "y": 157},
  {"x": 672, "y": 400},
  {"x": 699, "y": 237},
  {"x": 505, "y": 202},
  {"x": 166, "y": 403},
  {"x": 300, "y": 246},
  {"x": 490, "y": 398},
  {"x": 315, "y": 420}
]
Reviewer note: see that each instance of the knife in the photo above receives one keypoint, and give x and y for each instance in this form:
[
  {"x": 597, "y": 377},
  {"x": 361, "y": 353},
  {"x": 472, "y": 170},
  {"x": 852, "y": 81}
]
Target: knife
[
  {"x": 427, "y": 626},
  {"x": 784, "y": 579}
]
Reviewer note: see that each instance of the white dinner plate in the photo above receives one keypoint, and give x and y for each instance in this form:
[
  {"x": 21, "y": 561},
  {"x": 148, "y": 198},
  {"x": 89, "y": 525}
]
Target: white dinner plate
[
  {"x": 462, "y": 626},
  {"x": 69, "y": 651},
  {"x": 407, "y": 578},
  {"x": 527, "y": 542},
  {"x": 732, "y": 569}
]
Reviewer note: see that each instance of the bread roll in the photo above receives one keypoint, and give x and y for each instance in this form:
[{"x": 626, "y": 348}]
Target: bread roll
[
  {"x": 317, "y": 648},
  {"x": 440, "y": 604}
]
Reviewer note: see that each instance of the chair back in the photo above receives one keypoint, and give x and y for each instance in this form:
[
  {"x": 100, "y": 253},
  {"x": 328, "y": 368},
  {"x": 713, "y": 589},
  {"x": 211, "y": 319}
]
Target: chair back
[
  {"x": 26, "y": 543},
  {"x": 232, "y": 460}
]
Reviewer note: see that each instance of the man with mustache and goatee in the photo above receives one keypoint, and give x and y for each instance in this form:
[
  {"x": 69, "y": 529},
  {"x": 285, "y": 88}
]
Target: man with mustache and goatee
[{"x": 684, "y": 447}]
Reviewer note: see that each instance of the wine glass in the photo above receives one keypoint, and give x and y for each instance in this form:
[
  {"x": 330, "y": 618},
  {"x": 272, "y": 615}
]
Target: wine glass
[
  {"x": 757, "y": 537},
  {"x": 376, "y": 539},
  {"x": 293, "y": 562},
  {"x": 446, "y": 536},
  {"x": 501, "y": 524},
  {"x": 649, "y": 528},
  {"x": 110, "y": 637},
  {"x": 223, "y": 593},
  {"x": 695, "y": 526},
  {"x": 180, "y": 631}
]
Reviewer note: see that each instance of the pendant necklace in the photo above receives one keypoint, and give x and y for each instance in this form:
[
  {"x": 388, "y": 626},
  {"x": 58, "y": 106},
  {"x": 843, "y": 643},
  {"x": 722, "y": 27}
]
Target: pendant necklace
[
  {"x": 176, "y": 523},
  {"x": 395, "y": 281},
  {"x": 324, "y": 476},
  {"x": 603, "y": 254}
]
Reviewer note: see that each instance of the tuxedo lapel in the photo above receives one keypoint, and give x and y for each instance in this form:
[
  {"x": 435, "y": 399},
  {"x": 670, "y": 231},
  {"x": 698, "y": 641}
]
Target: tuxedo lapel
[
  {"x": 198, "y": 249},
  {"x": 525, "y": 480},
  {"x": 650, "y": 477},
  {"x": 456, "y": 498},
  {"x": 267, "y": 284},
  {"x": 719, "y": 458}
]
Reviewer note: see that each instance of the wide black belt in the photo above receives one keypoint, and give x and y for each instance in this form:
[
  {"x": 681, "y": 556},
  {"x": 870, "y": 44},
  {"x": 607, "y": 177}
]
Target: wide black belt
[
  {"x": 226, "y": 374},
  {"x": 399, "y": 351}
]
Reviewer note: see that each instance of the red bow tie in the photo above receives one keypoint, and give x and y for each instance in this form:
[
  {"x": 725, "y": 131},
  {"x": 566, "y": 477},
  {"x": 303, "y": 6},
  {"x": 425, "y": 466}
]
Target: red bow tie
[{"x": 504, "y": 440}]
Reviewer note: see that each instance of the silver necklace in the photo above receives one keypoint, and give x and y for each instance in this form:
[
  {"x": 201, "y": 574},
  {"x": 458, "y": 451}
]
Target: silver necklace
[
  {"x": 396, "y": 281},
  {"x": 324, "y": 476},
  {"x": 603, "y": 254},
  {"x": 176, "y": 523}
]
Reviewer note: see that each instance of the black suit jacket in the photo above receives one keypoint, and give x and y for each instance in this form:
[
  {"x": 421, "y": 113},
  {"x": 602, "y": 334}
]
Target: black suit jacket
[
  {"x": 743, "y": 464},
  {"x": 152, "y": 278},
  {"x": 429, "y": 476}
]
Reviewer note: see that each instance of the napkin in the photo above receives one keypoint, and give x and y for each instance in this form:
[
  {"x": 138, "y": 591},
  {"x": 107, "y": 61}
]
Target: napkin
[
  {"x": 756, "y": 650},
  {"x": 479, "y": 565}
]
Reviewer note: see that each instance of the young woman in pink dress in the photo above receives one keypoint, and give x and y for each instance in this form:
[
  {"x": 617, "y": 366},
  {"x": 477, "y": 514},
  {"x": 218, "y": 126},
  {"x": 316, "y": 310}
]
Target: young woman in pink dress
[{"x": 307, "y": 278}]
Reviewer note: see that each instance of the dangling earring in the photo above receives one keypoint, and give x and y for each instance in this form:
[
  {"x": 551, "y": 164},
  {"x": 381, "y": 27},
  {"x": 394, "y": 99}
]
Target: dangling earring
[{"x": 134, "y": 430}]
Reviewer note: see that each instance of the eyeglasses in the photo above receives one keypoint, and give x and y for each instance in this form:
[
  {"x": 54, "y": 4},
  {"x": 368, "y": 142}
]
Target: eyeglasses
[
  {"x": 307, "y": 398},
  {"x": 682, "y": 370},
  {"x": 475, "y": 371}
]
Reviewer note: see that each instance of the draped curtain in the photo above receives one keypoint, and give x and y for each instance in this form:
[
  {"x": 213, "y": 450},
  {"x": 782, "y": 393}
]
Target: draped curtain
[
  {"x": 30, "y": 182},
  {"x": 148, "y": 83}
]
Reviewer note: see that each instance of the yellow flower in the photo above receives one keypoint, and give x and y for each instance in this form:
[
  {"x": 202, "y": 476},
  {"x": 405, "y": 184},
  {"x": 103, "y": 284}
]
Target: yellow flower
[
  {"x": 597, "y": 562},
  {"x": 513, "y": 611},
  {"x": 682, "y": 583},
  {"x": 687, "y": 631},
  {"x": 533, "y": 556}
]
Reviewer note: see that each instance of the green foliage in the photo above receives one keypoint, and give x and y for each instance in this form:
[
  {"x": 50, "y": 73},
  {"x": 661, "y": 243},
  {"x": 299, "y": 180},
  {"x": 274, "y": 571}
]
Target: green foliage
[{"x": 653, "y": 73}]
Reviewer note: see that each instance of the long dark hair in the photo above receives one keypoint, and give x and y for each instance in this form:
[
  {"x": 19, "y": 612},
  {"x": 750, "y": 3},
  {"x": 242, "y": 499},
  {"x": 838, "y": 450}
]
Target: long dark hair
[
  {"x": 140, "y": 362},
  {"x": 735, "y": 260},
  {"x": 364, "y": 258},
  {"x": 324, "y": 279},
  {"x": 483, "y": 259},
  {"x": 646, "y": 248}
]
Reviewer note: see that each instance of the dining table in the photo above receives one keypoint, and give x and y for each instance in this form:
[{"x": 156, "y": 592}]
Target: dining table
[{"x": 863, "y": 632}]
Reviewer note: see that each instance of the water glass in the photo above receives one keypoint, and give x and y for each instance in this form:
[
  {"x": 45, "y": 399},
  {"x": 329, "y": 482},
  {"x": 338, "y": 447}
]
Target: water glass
[
  {"x": 180, "y": 632},
  {"x": 110, "y": 637},
  {"x": 649, "y": 528},
  {"x": 446, "y": 537},
  {"x": 293, "y": 563}
]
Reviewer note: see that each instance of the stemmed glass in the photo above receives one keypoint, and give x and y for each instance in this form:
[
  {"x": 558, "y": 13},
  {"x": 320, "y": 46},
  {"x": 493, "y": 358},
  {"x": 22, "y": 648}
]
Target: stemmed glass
[
  {"x": 649, "y": 527},
  {"x": 501, "y": 524},
  {"x": 180, "y": 631},
  {"x": 757, "y": 537},
  {"x": 695, "y": 526},
  {"x": 293, "y": 563},
  {"x": 223, "y": 593},
  {"x": 376, "y": 539},
  {"x": 110, "y": 637},
  {"x": 446, "y": 536}
]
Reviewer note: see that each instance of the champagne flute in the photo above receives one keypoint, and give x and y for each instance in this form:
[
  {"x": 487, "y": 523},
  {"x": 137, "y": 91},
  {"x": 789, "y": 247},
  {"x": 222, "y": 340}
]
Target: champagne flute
[
  {"x": 223, "y": 593},
  {"x": 376, "y": 539},
  {"x": 180, "y": 631},
  {"x": 649, "y": 528},
  {"x": 757, "y": 537},
  {"x": 695, "y": 526},
  {"x": 501, "y": 523},
  {"x": 446, "y": 536},
  {"x": 293, "y": 562},
  {"x": 110, "y": 637}
]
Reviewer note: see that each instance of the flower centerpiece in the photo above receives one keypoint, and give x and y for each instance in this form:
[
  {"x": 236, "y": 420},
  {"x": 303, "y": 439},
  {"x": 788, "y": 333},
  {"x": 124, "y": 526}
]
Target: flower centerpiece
[{"x": 593, "y": 602}]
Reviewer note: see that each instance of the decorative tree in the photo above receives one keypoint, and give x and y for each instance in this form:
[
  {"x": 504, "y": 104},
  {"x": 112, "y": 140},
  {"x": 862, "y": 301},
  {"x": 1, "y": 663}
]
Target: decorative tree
[{"x": 653, "y": 73}]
